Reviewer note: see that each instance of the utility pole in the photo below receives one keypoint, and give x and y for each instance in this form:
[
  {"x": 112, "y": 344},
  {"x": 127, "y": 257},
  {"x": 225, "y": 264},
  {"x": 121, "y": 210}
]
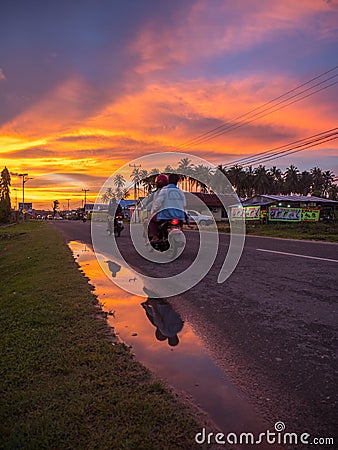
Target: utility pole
[
  {"x": 23, "y": 176},
  {"x": 85, "y": 196},
  {"x": 16, "y": 197},
  {"x": 68, "y": 199}
]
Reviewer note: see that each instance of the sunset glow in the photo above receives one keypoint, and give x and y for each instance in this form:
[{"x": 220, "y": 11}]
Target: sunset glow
[{"x": 84, "y": 92}]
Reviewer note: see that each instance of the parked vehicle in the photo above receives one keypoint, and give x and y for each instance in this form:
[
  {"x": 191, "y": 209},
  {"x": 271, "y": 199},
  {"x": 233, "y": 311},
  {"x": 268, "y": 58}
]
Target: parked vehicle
[{"x": 199, "y": 219}]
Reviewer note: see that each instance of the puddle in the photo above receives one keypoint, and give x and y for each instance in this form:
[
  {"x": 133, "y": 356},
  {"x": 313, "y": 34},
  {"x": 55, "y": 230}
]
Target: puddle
[{"x": 181, "y": 359}]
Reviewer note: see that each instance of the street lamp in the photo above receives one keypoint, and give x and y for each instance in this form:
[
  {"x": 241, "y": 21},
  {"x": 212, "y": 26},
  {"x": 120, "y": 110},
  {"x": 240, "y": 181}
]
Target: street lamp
[
  {"x": 16, "y": 197},
  {"x": 25, "y": 178}
]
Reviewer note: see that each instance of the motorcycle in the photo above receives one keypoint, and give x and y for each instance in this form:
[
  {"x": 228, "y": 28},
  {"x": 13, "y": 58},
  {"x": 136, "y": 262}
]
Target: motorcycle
[
  {"x": 170, "y": 237},
  {"x": 115, "y": 225}
]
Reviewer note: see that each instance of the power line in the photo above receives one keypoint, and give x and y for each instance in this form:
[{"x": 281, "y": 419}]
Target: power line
[
  {"x": 273, "y": 151},
  {"x": 277, "y": 109},
  {"x": 261, "y": 114},
  {"x": 291, "y": 151},
  {"x": 225, "y": 128}
]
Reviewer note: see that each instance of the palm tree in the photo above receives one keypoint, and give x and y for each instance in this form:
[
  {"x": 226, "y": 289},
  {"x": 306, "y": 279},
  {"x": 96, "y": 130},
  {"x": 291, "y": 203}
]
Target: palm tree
[
  {"x": 218, "y": 181},
  {"x": 168, "y": 169},
  {"x": 328, "y": 178},
  {"x": 202, "y": 180},
  {"x": 291, "y": 180},
  {"x": 119, "y": 183},
  {"x": 248, "y": 182},
  {"x": 317, "y": 181},
  {"x": 262, "y": 180},
  {"x": 236, "y": 175},
  {"x": 108, "y": 195},
  {"x": 333, "y": 192},
  {"x": 185, "y": 168},
  {"x": 277, "y": 180},
  {"x": 305, "y": 182},
  {"x": 136, "y": 176}
]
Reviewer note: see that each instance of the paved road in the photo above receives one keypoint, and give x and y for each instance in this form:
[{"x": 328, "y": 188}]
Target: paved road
[{"x": 272, "y": 325}]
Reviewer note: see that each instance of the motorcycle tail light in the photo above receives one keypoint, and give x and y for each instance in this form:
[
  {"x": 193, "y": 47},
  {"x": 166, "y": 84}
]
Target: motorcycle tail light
[{"x": 174, "y": 221}]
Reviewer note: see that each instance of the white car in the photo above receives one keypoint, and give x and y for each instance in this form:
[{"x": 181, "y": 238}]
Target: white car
[{"x": 199, "y": 219}]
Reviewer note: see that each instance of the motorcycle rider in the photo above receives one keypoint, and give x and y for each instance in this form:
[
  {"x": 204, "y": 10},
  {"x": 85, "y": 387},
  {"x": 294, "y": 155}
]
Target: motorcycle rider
[
  {"x": 152, "y": 224},
  {"x": 113, "y": 211},
  {"x": 170, "y": 203}
]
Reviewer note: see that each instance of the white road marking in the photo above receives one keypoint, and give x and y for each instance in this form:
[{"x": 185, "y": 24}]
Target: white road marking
[{"x": 296, "y": 254}]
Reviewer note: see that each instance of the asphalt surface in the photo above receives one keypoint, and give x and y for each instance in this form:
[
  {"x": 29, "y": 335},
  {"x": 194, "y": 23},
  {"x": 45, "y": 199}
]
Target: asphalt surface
[{"x": 272, "y": 325}]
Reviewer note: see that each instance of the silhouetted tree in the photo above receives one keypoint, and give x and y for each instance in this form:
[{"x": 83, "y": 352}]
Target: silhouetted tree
[
  {"x": 262, "y": 181},
  {"x": 317, "y": 181},
  {"x": 305, "y": 183},
  {"x": 333, "y": 192},
  {"x": 277, "y": 181},
  {"x": 328, "y": 178},
  {"x": 291, "y": 180},
  {"x": 185, "y": 169},
  {"x": 5, "y": 199}
]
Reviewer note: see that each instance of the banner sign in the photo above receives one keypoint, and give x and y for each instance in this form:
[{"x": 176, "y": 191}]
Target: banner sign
[
  {"x": 281, "y": 214},
  {"x": 237, "y": 213},
  {"x": 249, "y": 212},
  {"x": 252, "y": 212},
  {"x": 310, "y": 215}
]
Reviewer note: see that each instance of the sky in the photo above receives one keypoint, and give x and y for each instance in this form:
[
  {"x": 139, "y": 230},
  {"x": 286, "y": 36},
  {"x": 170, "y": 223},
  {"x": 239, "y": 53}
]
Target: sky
[{"x": 87, "y": 86}]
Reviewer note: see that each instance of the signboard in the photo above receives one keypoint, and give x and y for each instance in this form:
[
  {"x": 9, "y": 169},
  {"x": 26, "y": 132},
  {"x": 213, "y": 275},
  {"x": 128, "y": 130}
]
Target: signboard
[
  {"x": 237, "y": 212},
  {"x": 249, "y": 212},
  {"x": 280, "y": 214},
  {"x": 252, "y": 212},
  {"x": 310, "y": 215},
  {"x": 27, "y": 206}
]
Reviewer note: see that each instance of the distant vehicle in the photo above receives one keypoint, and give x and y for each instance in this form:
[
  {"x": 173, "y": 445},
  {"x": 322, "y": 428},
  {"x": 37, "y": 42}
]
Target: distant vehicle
[
  {"x": 50, "y": 216},
  {"x": 58, "y": 218},
  {"x": 199, "y": 219}
]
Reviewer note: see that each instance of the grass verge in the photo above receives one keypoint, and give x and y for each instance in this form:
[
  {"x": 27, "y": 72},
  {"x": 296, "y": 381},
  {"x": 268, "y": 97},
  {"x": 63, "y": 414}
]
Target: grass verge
[
  {"x": 63, "y": 384},
  {"x": 311, "y": 231}
]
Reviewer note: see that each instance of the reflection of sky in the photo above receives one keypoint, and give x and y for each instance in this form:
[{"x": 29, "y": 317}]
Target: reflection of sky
[
  {"x": 84, "y": 90},
  {"x": 186, "y": 366}
]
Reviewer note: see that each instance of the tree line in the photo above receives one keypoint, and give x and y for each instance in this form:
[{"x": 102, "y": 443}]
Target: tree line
[{"x": 247, "y": 182}]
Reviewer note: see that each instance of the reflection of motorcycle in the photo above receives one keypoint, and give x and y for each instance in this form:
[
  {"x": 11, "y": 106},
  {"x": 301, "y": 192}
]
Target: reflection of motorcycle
[
  {"x": 115, "y": 225},
  {"x": 170, "y": 237},
  {"x": 166, "y": 321}
]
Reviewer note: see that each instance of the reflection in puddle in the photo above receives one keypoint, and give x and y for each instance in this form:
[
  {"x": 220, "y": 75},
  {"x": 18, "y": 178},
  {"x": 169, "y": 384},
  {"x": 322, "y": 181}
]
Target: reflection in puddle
[
  {"x": 166, "y": 345},
  {"x": 166, "y": 321}
]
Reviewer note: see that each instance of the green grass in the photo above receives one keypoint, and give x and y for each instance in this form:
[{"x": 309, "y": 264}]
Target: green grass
[
  {"x": 63, "y": 384},
  {"x": 311, "y": 231}
]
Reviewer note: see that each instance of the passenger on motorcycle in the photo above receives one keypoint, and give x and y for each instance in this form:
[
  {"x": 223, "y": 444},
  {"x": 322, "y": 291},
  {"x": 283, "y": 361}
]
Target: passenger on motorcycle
[
  {"x": 170, "y": 203},
  {"x": 152, "y": 225}
]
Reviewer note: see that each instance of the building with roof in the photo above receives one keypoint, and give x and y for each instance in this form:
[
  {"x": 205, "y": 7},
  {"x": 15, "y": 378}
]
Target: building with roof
[
  {"x": 205, "y": 203},
  {"x": 292, "y": 208}
]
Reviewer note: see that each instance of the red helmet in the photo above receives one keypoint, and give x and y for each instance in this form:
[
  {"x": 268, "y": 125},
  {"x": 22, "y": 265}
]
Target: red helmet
[{"x": 161, "y": 180}]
